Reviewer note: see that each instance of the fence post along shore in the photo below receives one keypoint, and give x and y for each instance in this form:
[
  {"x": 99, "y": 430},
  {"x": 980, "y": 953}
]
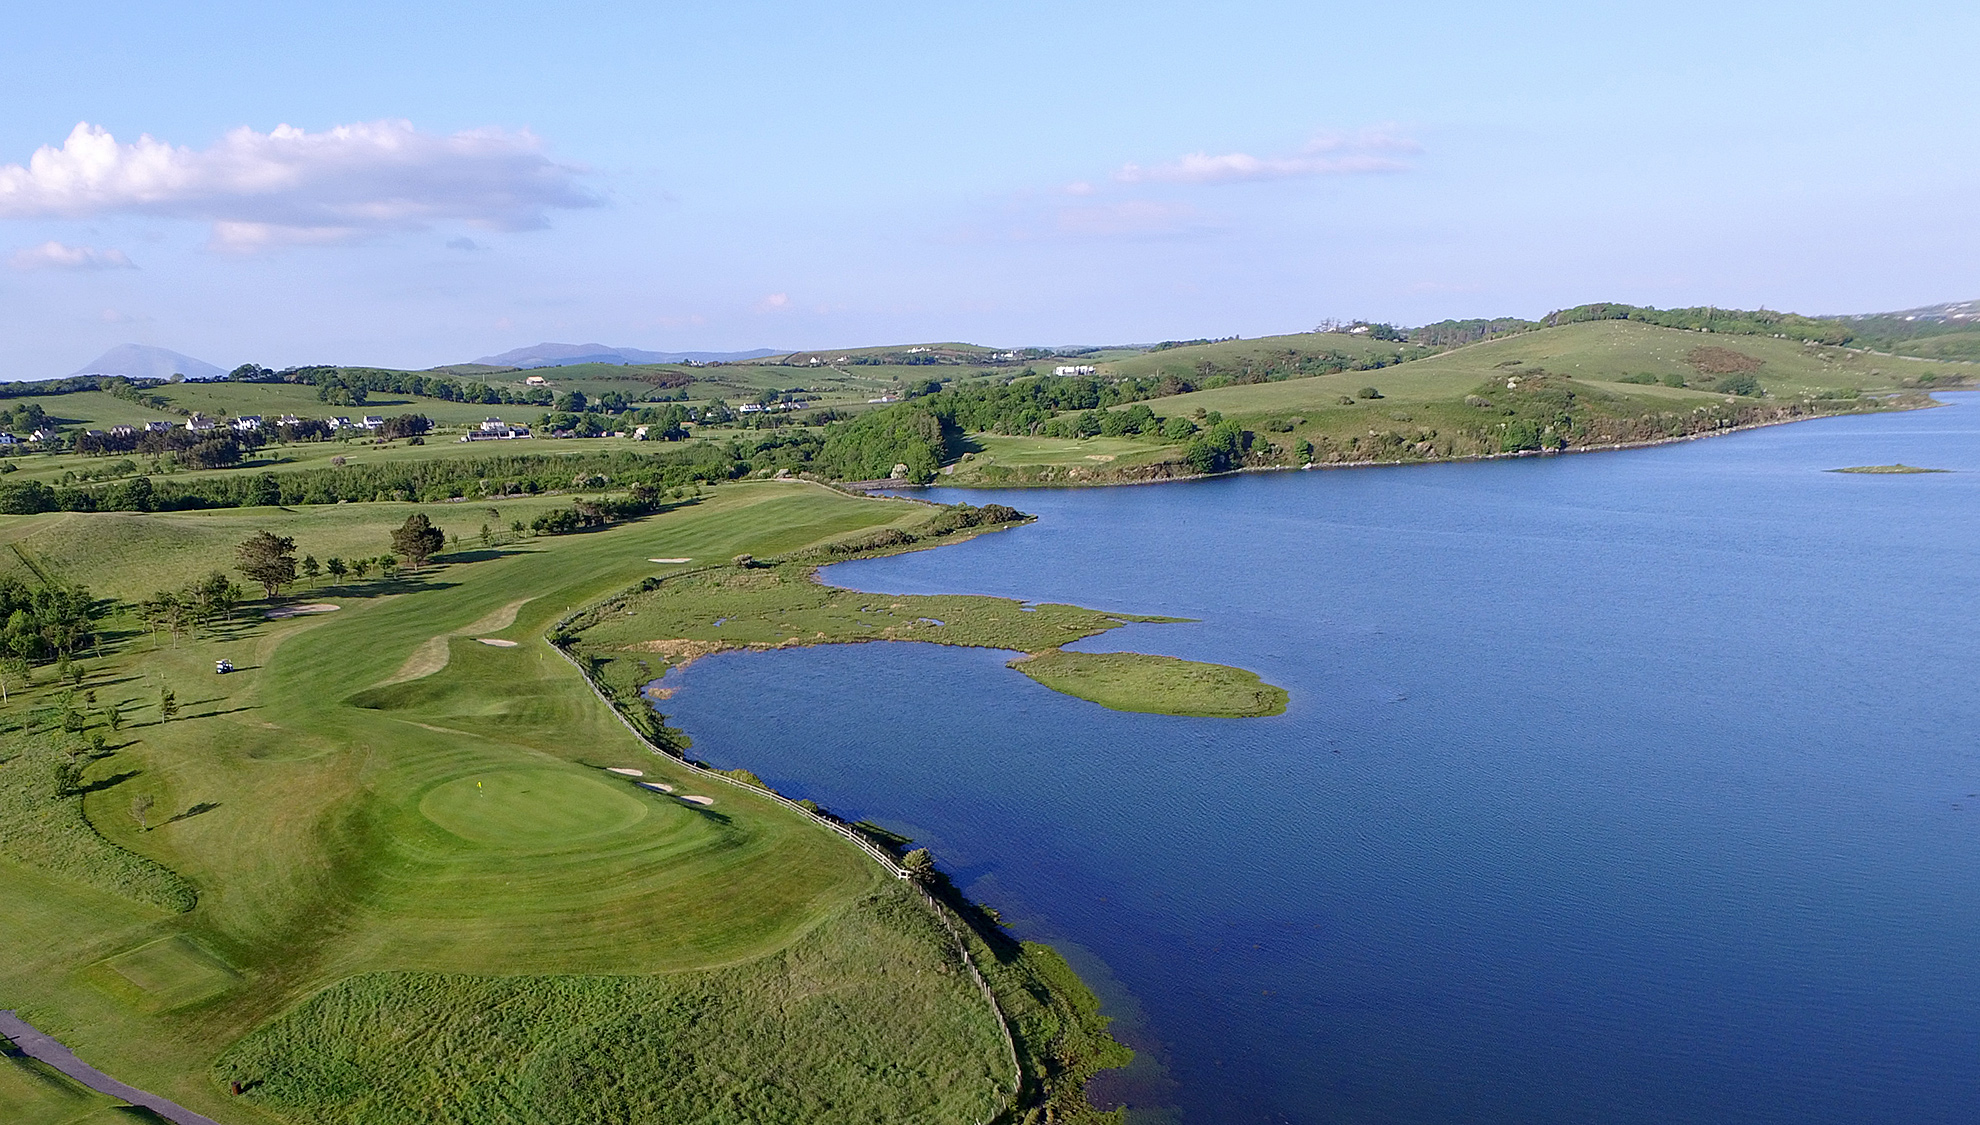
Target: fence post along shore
[{"x": 878, "y": 854}]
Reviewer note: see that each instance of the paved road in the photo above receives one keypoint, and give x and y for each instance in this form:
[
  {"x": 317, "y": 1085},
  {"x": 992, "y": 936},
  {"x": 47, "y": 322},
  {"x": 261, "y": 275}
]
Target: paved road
[{"x": 35, "y": 1045}]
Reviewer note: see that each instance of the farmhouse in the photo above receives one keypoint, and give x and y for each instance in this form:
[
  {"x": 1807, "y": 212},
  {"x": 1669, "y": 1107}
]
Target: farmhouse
[
  {"x": 494, "y": 429},
  {"x": 373, "y": 421},
  {"x": 123, "y": 431},
  {"x": 156, "y": 427},
  {"x": 247, "y": 423},
  {"x": 536, "y": 381},
  {"x": 200, "y": 424},
  {"x": 1080, "y": 369}
]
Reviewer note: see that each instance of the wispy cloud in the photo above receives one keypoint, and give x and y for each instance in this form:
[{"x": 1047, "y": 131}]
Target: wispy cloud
[
  {"x": 52, "y": 255},
  {"x": 290, "y": 187},
  {"x": 1332, "y": 155},
  {"x": 775, "y": 302}
]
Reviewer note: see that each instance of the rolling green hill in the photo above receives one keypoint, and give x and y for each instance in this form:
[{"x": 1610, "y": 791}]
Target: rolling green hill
[{"x": 1588, "y": 383}]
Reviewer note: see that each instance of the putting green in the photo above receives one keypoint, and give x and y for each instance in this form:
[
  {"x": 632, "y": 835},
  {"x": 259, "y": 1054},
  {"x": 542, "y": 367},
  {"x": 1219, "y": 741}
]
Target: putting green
[{"x": 530, "y": 808}]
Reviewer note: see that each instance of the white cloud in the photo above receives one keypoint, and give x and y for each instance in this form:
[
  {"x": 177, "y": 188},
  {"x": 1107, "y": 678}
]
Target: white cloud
[
  {"x": 775, "y": 302},
  {"x": 52, "y": 255},
  {"x": 1330, "y": 155},
  {"x": 289, "y": 187}
]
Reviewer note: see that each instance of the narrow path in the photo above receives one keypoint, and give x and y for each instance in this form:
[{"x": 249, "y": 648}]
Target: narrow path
[{"x": 37, "y": 1046}]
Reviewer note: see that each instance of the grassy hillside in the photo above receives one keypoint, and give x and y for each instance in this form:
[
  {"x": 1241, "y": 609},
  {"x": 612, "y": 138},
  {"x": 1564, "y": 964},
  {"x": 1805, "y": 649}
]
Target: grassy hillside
[
  {"x": 1592, "y": 383},
  {"x": 1266, "y": 357},
  {"x": 391, "y": 823}
]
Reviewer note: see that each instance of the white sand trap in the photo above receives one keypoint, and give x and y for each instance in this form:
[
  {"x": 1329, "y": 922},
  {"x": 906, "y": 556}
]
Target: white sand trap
[
  {"x": 670, "y": 560},
  {"x": 626, "y": 770},
  {"x": 301, "y": 610},
  {"x": 656, "y": 787},
  {"x": 497, "y": 642},
  {"x": 697, "y": 799}
]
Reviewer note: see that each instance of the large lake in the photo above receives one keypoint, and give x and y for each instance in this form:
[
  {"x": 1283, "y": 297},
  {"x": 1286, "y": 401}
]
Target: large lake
[{"x": 1623, "y": 787}]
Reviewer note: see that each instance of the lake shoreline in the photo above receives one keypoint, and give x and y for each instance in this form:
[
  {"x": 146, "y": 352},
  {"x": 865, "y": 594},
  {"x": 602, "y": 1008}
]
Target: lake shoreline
[{"x": 869, "y": 487}]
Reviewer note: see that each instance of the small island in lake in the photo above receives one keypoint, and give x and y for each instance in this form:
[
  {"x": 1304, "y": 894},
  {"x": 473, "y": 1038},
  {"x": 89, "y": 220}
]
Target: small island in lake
[
  {"x": 1898, "y": 468},
  {"x": 1158, "y": 685}
]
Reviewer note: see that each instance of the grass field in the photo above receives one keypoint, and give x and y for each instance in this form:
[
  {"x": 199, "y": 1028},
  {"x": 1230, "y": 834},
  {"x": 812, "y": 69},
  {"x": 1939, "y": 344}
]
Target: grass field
[
  {"x": 1601, "y": 382},
  {"x": 1160, "y": 685},
  {"x": 386, "y": 820}
]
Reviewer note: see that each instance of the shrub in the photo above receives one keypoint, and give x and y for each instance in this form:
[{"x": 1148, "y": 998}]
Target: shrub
[{"x": 1368, "y": 392}]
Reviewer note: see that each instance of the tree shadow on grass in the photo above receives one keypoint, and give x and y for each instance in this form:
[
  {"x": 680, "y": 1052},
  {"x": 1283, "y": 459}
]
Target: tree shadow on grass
[
  {"x": 103, "y": 783},
  {"x": 195, "y": 810}
]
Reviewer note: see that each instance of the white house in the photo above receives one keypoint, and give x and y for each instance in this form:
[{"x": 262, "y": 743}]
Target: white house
[
  {"x": 1081, "y": 369},
  {"x": 43, "y": 434},
  {"x": 340, "y": 423},
  {"x": 750, "y": 408},
  {"x": 639, "y": 433},
  {"x": 123, "y": 431},
  {"x": 289, "y": 420},
  {"x": 494, "y": 429},
  {"x": 199, "y": 424},
  {"x": 156, "y": 427},
  {"x": 536, "y": 381},
  {"x": 247, "y": 422},
  {"x": 373, "y": 421}
]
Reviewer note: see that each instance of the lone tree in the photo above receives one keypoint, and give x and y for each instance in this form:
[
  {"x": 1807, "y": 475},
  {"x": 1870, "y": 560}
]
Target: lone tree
[
  {"x": 269, "y": 560},
  {"x": 418, "y": 540}
]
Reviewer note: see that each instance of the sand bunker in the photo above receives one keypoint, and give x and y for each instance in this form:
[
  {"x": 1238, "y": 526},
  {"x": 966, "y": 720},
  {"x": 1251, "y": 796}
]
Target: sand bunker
[
  {"x": 697, "y": 799},
  {"x": 626, "y": 770},
  {"x": 657, "y": 787},
  {"x": 301, "y": 610},
  {"x": 670, "y": 560},
  {"x": 497, "y": 642}
]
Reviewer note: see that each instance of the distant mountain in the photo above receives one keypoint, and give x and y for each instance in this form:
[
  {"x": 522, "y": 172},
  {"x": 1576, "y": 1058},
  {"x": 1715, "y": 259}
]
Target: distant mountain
[
  {"x": 564, "y": 355},
  {"x": 1952, "y": 312},
  {"x": 140, "y": 361}
]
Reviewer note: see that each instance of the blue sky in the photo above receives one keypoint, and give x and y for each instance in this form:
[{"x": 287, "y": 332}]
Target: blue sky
[{"x": 458, "y": 179}]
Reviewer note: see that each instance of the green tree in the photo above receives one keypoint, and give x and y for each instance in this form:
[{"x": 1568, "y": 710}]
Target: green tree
[
  {"x": 269, "y": 560},
  {"x": 168, "y": 705},
  {"x": 418, "y": 540},
  {"x": 336, "y": 568},
  {"x": 919, "y": 864},
  {"x": 141, "y": 810},
  {"x": 113, "y": 717},
  {"x": 360, "y": 567},
  {"x": 311, "y": 568},
  {"x": 215, "y": 595}
]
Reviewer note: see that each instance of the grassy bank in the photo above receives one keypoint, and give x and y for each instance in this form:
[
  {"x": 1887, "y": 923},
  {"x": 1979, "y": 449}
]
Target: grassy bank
[
  {"x": 385, "y": 819},
  {"x": 633, "y": 640}
]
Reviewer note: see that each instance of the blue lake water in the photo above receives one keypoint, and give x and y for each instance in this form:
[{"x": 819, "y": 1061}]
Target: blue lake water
[{"x": 1624, "y": 787}]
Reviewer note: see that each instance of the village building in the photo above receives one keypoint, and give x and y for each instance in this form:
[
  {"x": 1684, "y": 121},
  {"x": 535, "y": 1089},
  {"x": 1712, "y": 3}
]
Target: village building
[
  {"x": 247, "y": 423},
  {"x": 373, "y": 421},
  {"x": 156, "y": 427},
  {"x": 200, "y": 424},
  {"x": 123, "y": 431},
  {"x": 1079, "y": 369}
]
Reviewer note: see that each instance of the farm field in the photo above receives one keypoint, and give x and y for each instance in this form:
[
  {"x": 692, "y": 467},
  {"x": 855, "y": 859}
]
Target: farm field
[{"x": 389, "y": 821}]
